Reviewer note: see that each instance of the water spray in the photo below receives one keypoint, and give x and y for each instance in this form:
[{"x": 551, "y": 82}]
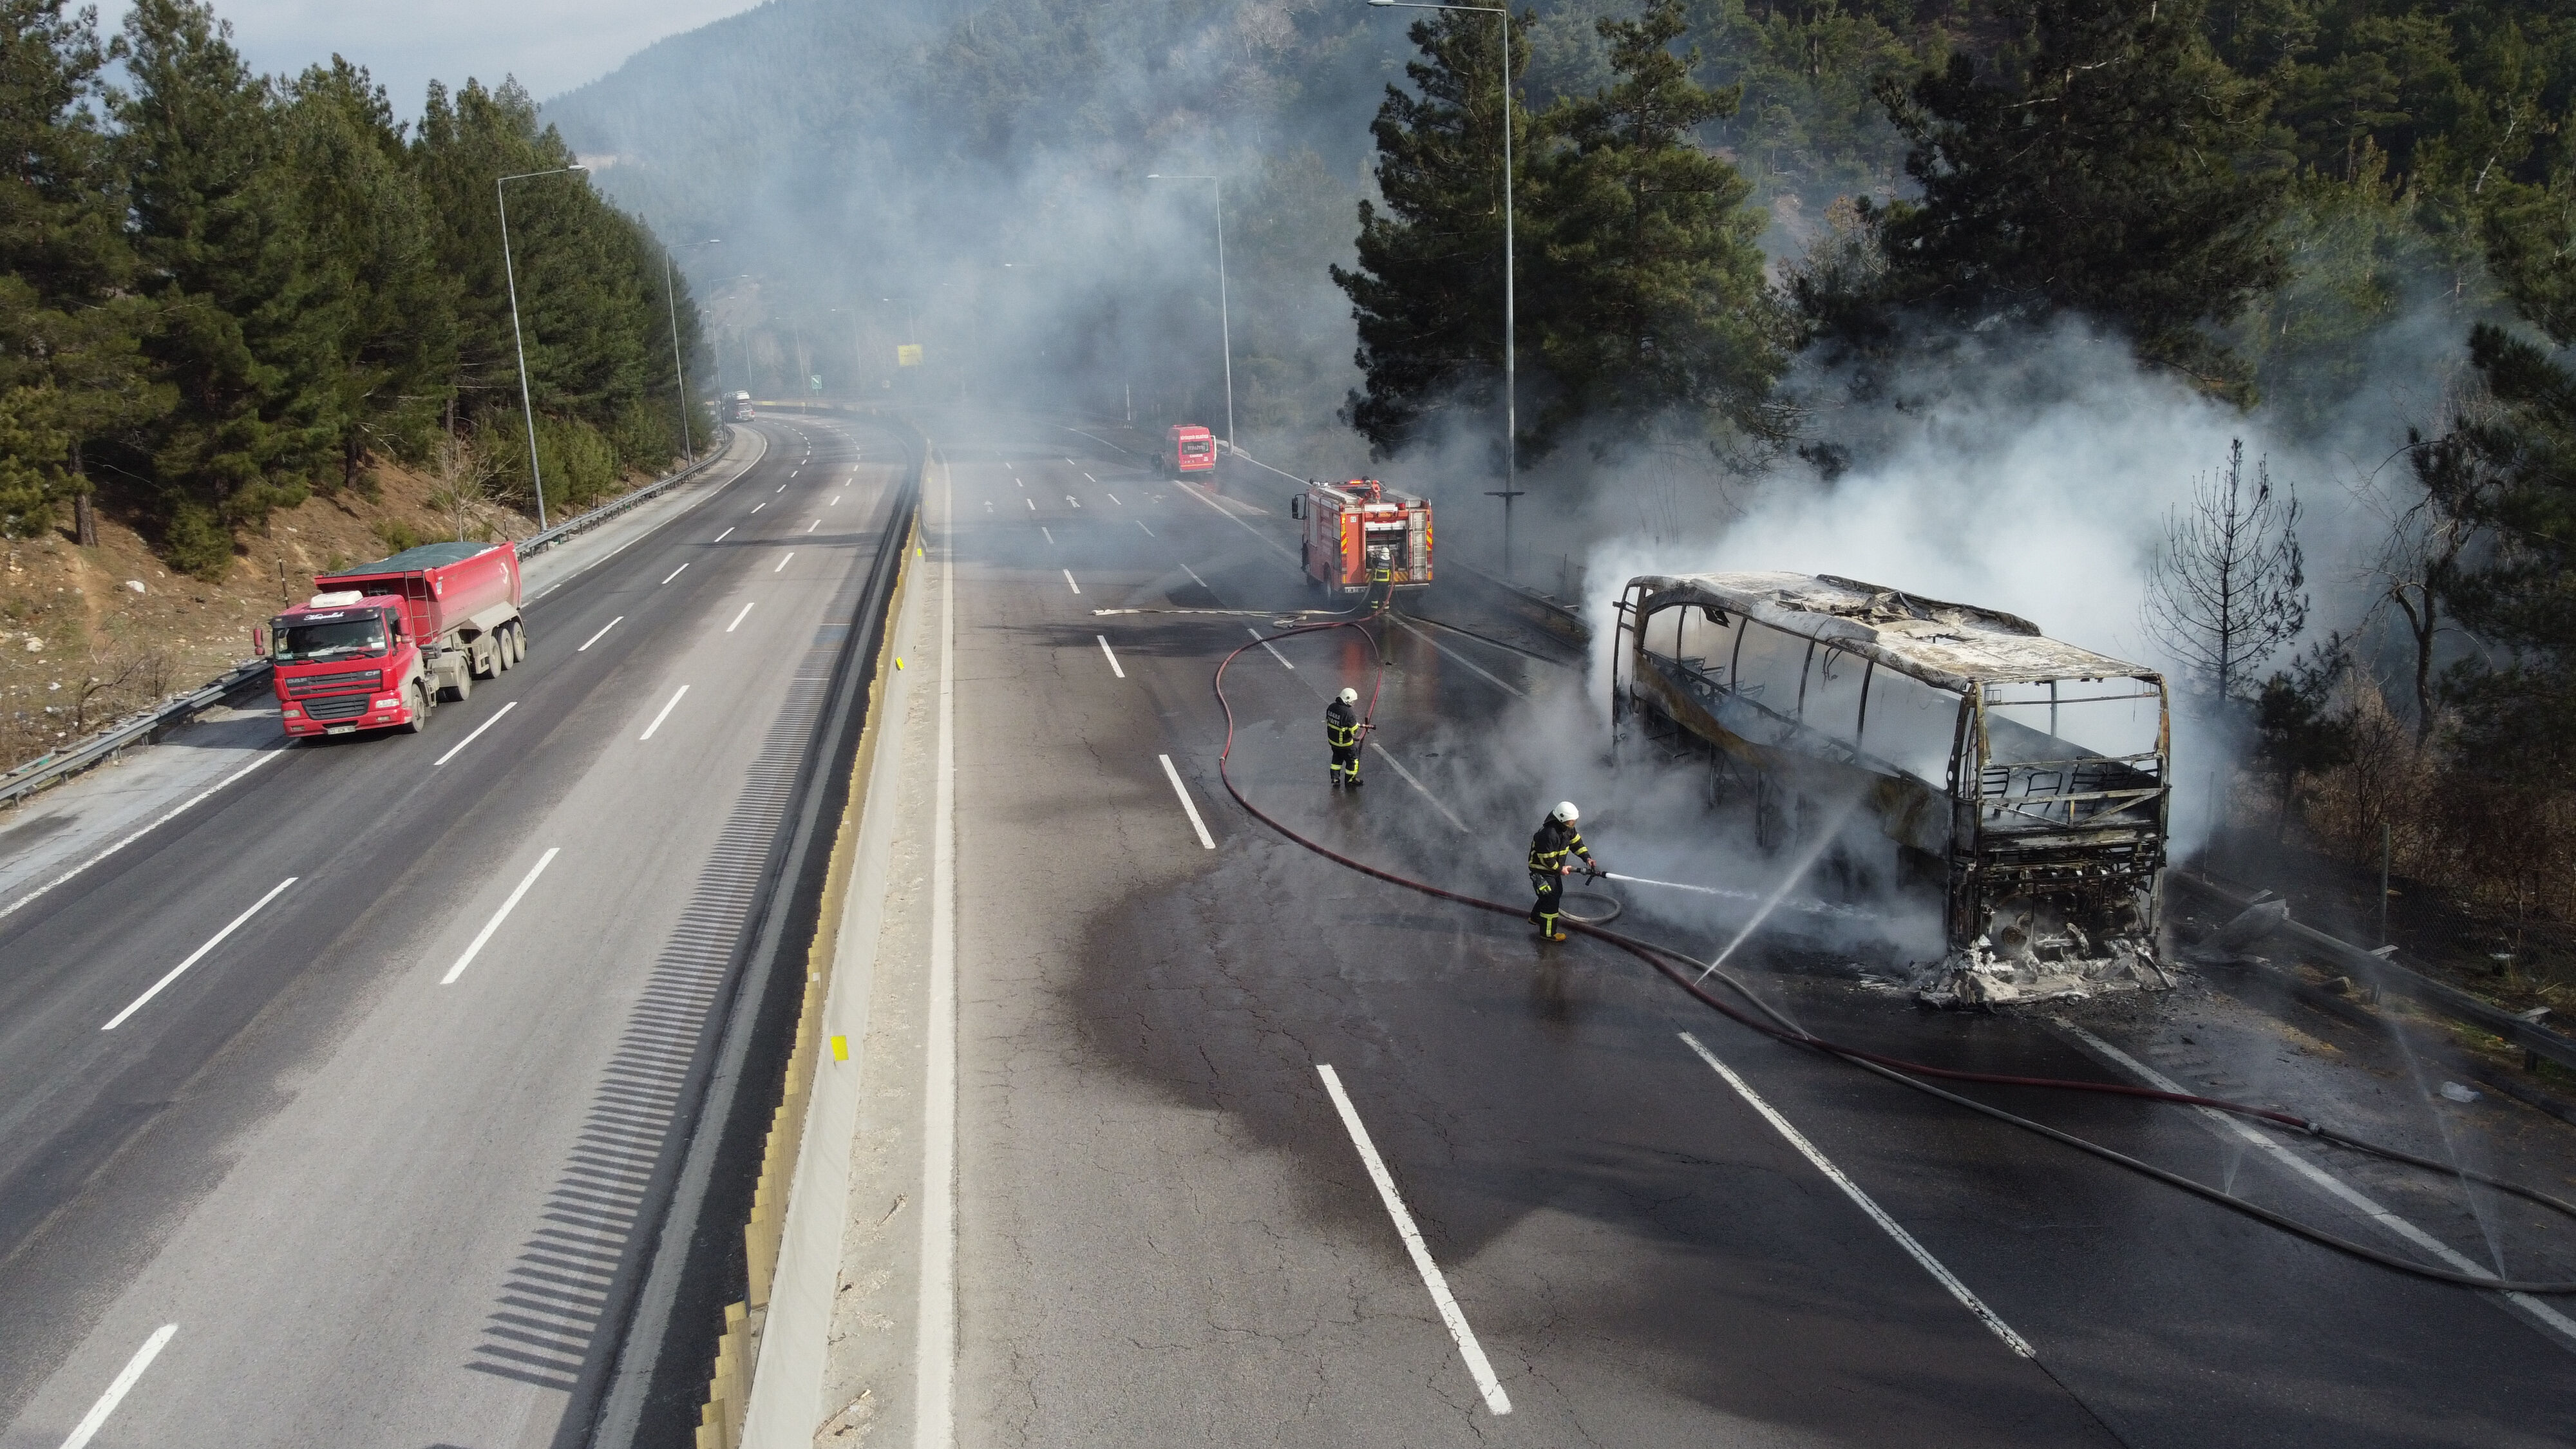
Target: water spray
[{"x": 1824, "y": 841}]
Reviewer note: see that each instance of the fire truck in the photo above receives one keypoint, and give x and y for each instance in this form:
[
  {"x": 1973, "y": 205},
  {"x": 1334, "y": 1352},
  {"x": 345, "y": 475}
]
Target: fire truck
[
  {"x": 1188, "y": 450},
  {"x": 1354, "y": 528}
]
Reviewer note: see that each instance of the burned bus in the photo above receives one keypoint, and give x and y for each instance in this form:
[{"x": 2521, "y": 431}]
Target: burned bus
[{"x": 2028, "y": 778}]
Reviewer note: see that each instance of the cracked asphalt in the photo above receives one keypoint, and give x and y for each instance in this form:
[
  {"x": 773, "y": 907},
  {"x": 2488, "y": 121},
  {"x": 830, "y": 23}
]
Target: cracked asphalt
[{"x": 1165, "y": 1236}]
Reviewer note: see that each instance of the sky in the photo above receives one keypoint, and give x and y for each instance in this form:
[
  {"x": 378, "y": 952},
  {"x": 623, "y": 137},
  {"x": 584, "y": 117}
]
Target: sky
[{"x": 550, "y": 45}]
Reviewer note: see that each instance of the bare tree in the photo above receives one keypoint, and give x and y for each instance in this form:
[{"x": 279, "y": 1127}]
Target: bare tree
[
  {"x": 464, "y": 491},
  {"x": 2229, "y": 587}
]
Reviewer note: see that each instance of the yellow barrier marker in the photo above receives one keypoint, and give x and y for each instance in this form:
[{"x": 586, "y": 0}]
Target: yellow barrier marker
[
  {"x": 898, "y": 661},
  {"x": 840, "y": 1049}
]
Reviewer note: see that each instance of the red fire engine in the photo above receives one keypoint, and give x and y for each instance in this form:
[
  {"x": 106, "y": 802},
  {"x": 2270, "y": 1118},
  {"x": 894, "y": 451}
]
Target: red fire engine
[{"x": 1354, "y": 528}]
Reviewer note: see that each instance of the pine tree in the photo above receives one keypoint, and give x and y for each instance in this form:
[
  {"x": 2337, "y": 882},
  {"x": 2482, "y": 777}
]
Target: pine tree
[
  {"x": 246, "y": 321},
  {"x": 1651, "y": 295},
  {"x": 2098, "y": 164},
  {"x": 71, "y": 372},
  {"x": 1427, "y": 292}
]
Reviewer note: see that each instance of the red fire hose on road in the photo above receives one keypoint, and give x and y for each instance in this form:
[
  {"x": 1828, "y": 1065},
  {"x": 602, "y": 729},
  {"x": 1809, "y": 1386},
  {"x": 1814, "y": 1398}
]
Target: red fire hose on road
[{"x": 1678, "y": 968}]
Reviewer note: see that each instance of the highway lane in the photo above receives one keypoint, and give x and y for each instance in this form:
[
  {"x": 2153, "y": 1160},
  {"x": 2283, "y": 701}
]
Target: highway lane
[
  {"x": 383, "y": 1205},
  {"x": 1164, "y": 1221}
]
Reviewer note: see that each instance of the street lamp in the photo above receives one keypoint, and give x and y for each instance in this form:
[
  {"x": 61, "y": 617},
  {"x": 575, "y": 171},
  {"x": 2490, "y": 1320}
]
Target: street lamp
[
  {"x": 1511, "y": 393},
  {"x": 669, "y": 294},
  {"x": 517, "y": 342},
  {"x": 1225, "y": 326}
]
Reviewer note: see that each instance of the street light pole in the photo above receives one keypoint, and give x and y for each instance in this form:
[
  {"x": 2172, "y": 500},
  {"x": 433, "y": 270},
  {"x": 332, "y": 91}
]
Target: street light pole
[
  {"x": 678, "y": 369},
  {"x": 518, "y": 343},
  {"x": 1224, "y": 317},
  {"x": 1511, "y": 332}
]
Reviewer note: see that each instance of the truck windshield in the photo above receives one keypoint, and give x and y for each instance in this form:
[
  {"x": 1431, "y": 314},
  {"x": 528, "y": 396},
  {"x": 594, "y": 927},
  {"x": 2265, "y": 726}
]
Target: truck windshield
[{"x": 340, "y": 637}]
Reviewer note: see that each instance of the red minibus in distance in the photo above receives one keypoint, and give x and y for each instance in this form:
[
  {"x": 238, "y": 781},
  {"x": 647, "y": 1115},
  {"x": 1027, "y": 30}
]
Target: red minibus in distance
[{"x": 1188, "y": 450}]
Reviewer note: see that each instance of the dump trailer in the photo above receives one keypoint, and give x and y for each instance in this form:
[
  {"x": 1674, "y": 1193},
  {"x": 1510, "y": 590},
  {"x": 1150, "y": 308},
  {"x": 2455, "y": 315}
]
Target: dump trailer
[
  {"x": 2028, "y": 777},
  {"x": 380, "y": 645},
  {"x": 1353, "y": 529}
]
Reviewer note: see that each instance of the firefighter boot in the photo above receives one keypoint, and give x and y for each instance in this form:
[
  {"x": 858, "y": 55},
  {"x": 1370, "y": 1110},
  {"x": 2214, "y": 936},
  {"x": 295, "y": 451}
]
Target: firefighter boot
[{"x": 1547, "y": 930}]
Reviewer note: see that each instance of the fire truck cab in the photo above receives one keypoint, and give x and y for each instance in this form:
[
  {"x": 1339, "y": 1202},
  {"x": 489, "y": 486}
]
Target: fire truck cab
[{"x": 1355, "y": 528}]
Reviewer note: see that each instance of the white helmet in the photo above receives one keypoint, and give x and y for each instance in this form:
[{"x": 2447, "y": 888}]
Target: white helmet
[
  {"x": 1350, "y": 696},
  {"x": 1565, "y": 812}
]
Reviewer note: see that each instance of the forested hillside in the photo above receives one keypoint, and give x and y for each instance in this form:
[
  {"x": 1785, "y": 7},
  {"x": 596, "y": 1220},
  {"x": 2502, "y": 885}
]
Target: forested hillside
[{"x": 223, "y": 293}]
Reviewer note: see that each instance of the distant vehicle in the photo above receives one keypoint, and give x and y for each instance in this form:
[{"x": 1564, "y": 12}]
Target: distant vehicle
[
  {"x": 379, "y": 645},
  {"x": 1187, "y": 450},
  {"x": 1354, "y": 527},
  {"x": 2030, "y": 777},
  {"x": 737, "y": 407}
]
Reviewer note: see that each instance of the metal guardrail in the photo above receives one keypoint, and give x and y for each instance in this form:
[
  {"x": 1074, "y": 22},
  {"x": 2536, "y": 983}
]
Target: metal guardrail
[
  {"x": 544, "y": 539},
  {"x": 140, "y": 727},
  {"x": 2375, "y": 970},
  {"x": 136, "y": 728}
]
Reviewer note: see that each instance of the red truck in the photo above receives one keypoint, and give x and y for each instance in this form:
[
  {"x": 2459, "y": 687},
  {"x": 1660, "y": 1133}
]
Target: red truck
[
  {"x": 1354, "y": 528},
  {"x": 1187, "y": 450},
  {"x": 380, "y": 644}
]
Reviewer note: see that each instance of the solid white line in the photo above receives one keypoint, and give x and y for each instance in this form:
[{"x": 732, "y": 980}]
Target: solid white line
[
  {"x": 738, "y": 618},
  {"x": 721, "y": 537},
  {"x": 817, "y": 523},
  {"x": 1113, "y": 659},
  {"x": 1206, "y": 841},
  {"x": 1450, "y": 1313},
  {"x": 604, "y": 628},
  {"x": 476, "y": 948},
  {"x": 1266, "y": 644},
  {"x": 666, "y": 578},
  {"x": 487, "y": 724},
  {"x": 1851, "y": 1189},
  {"x": 2332, "y": 1185},
  {"x": 1398, "y": 766},
  {"x": 1149, "y": 533},
  {"x": 1239, "y": 522},
  {"x": 1069, "y": 583},
  {"x": 1104, "y": 442},
  {"x": 197, "y": 955},
  {"x": 199, "y": 798},
  {"x": 665, "y": 714},
  {"x": 1490, "y": 677},
  {"x": 935, "y": 1351},
  {"x": 125, "y": 1380},
  {"x": 782, "y": 563}
]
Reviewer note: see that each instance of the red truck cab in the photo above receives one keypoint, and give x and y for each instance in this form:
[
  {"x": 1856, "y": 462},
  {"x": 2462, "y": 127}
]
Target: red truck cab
[
  {"x": 1187, "y": 450},
  {"x": 382, "y": 643}
]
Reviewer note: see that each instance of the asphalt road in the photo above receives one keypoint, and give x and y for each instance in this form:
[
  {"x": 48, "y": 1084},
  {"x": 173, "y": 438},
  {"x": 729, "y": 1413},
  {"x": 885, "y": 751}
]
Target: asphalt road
[
  {"x": 377, "y": 1152},
  {"x": 1166, "y": 1231}
]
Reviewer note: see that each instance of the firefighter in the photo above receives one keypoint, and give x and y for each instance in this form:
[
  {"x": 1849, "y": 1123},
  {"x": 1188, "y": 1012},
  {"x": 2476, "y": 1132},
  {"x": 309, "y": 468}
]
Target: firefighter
[
  {"x": 1381, "y": 577},
  {"x": 1342, "y": 728},
  {"x": 1556, "y": 840}
]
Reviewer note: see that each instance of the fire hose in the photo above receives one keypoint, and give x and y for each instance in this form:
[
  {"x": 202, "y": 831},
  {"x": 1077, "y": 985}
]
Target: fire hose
[{"x": 1676, "y": 967}]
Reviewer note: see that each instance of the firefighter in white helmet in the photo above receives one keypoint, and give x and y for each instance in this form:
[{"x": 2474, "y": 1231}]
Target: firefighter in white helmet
[
  {"x": 1550, "y": 861},
  {"x": 1342, "y": 728}
]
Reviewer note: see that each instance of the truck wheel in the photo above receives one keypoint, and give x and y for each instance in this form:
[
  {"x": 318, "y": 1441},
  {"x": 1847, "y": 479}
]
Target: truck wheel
[
  {"x": 502, "y": 655},
  {"x": 518, "y": 643},
  {"x": 419, "y": 711},
  {"x": 463, "y": 688},
  {"x": 485, "y": 663}
]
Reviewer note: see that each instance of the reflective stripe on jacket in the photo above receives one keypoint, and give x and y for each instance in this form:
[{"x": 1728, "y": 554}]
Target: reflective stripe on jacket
[
  {"x": 1341, "y": 725},
  {"x": 1553, "y": 842}
]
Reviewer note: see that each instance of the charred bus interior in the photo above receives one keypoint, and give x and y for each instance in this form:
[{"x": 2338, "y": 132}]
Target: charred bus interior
[{"x": 2022, "y": 778}]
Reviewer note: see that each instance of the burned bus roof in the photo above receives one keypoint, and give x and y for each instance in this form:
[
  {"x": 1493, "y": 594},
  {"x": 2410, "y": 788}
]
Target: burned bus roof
[{"x": 1946, "y": 644}]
